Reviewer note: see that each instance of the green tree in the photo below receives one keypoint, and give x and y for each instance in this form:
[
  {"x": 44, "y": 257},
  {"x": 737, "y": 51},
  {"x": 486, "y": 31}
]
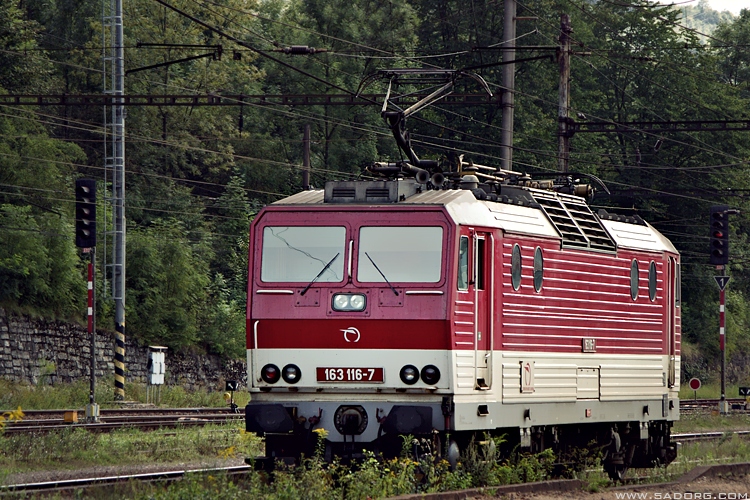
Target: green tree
[
  {"x": 166, "y": 283},
  {"x": 731, "y": 41},
  {"x": 22, "y": 66},
  {"x": 359, "y": 38},
  {"x": 40, "y": 269}
]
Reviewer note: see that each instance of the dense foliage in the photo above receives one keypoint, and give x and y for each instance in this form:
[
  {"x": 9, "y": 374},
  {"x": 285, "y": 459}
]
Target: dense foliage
[{"x": 195, "y": 175}]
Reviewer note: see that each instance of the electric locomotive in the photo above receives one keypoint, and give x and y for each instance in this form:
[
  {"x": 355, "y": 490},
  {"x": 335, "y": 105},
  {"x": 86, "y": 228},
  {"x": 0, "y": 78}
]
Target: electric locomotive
[{"x": 445, "y": 307}]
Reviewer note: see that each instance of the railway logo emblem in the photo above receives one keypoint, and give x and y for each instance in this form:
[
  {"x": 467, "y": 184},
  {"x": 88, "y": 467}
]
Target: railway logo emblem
[
  {"x": 527, "y": 376},
  {"x": 351, "y": 334}
]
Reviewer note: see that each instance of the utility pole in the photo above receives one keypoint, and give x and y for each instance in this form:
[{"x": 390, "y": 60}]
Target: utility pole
[
  {"x": 114, "y": 146},
  {"x": 565, "y": 130},
  {"x": 509, "y": 85},
  {"x": 306, "y": 159}
]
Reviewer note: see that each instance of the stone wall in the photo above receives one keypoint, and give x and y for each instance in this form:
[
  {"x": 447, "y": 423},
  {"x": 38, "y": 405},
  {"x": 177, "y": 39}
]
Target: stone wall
[{"x": 48, "y": 352}]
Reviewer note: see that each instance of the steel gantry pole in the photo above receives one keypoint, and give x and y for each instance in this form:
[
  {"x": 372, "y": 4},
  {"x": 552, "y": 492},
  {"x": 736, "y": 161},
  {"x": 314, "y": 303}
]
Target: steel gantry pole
[
  {"x": 119, "y": 212},
  {"x": 114, "y": 82}
]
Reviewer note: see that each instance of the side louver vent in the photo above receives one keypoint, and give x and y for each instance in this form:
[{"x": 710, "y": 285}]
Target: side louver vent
[
  {"x": 377, "y": 193},
  {"x": 575, "y": 222},
  {"x": 344, "y": 193}
]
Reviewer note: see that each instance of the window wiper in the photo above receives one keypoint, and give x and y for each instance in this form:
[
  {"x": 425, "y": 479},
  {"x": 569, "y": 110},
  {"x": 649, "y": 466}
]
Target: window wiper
[
  {"x": 319, "y": 274},
  {"x": 381, "y": 273}
]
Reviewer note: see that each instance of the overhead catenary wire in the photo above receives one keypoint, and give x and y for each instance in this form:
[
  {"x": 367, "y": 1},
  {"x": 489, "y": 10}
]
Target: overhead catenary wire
[{"x": 437, "y": 124}]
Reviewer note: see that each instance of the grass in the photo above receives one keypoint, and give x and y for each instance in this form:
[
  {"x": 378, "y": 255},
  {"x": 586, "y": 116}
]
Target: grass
[
  {"x": 76, "y": 448},
  {"x": 76, "y": 395},
  {"x": 703, "y": 422}
]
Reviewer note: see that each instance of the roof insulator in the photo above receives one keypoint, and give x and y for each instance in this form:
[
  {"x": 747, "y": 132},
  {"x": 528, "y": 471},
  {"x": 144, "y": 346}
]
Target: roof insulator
[{"x": 300, "y": 50}]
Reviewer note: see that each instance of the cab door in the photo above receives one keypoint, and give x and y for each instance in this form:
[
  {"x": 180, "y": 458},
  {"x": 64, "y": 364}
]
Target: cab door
[
  {"x": 672, "y": 298},
  {"x": 480, "y": 287}
]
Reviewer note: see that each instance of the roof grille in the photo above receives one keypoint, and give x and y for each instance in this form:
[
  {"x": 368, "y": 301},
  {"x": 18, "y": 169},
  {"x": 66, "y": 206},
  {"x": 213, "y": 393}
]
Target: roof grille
[
  {"x": 575, "y": 222},
  {"x": 343, "y": 192},
  {"x": 628, "y": 219},
  {"x": 377, "y": 192},
  {"x": 369, "y": 191}
]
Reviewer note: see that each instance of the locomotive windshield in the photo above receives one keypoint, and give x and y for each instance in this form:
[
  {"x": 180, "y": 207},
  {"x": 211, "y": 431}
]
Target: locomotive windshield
[
  {"x": 299, "y": 254},
  {"x": 401, "y": 254}
]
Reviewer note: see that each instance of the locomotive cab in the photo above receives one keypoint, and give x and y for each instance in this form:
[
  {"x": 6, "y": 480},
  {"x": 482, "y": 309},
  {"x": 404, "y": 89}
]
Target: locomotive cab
[{"x": 349, "y": 300}]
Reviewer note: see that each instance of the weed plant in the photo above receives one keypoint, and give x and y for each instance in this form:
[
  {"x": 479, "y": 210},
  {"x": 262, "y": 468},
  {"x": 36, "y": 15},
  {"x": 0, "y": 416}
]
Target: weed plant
[
  {"x": 315, "y": 479},
  {"x": 368, "y": 478}
]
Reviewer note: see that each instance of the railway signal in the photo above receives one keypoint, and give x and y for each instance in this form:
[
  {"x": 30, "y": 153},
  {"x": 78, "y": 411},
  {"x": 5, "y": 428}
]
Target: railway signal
[
  {"x": 695, "y": 384},
  {"x": 719, "y": 256},
  {"x": 719, "y": 238},
  {"x": 85, "y": 213}
]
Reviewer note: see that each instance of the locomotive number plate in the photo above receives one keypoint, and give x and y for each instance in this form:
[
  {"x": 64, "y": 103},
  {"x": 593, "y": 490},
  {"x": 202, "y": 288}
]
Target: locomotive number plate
[{"x": 366, "y": 375}]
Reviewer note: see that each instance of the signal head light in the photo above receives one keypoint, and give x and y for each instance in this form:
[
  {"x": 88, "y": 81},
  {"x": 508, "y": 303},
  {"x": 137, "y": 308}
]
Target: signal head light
[
  {"x": 270, "y": 373},
  {"x": 430, "y": 374},
  {"x": 349, "y": 302},
  {"x": 291, "y": 374},
  {"x": 409, "y": 374}
]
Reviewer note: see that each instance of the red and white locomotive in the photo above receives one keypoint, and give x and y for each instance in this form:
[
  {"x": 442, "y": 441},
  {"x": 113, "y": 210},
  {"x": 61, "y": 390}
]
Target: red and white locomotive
[{"x": 445, "y": 306}]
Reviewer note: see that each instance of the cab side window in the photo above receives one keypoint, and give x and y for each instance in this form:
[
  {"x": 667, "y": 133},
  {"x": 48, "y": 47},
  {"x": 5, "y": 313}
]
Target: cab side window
[{"x": 463, "y": 263}]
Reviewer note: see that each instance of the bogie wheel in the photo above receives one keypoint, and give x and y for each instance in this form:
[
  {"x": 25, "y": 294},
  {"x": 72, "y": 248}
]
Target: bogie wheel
[
  {"x": 616, "y": 472},
  {"x": 453, "y": 453},
  {"x": 614, "y": 459}
]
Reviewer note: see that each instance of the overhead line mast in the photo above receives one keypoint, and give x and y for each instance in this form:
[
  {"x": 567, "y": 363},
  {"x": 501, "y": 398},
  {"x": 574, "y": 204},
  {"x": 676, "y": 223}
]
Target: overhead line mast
[
  {"x": 509, "y": 83},
  {"x": 114, "y": 167}
]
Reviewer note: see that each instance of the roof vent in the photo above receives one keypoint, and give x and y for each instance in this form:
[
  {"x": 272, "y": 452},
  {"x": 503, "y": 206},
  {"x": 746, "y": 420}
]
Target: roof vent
[
  {"x": 369, "y": 192},
  {"x": 575, "y": 222}
]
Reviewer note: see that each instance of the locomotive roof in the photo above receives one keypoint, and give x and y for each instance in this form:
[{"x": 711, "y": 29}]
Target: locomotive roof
[{"x": 465, "y": 209}]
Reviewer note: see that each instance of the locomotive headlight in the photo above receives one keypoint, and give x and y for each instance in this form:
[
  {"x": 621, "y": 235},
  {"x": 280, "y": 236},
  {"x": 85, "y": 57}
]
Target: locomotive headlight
[
  {"x": 349, "y": 302},
  {"x": 291, "y": 374},
  {"x": 270, "y": 373},
  {"x": 357, "y": 302},
  {"x": 409, "y": 374},
  {"x": 430, "y": 374}
]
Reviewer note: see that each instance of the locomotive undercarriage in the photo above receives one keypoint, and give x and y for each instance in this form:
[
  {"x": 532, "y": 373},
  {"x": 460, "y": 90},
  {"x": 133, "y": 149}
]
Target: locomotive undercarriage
[{"x": 619, "y": 445}]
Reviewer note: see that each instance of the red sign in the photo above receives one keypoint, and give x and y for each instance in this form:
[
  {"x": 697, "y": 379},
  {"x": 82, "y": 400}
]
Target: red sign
[
  {"x": 349, "y": 374},
  {"x": 694, "y": 384}
]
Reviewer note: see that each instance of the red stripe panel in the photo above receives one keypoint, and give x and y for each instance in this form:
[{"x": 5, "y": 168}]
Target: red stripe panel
[{"x": 350, "y": 334}]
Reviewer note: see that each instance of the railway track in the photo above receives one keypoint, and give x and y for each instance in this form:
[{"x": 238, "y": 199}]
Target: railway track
[
  {"x": 559, "y": 486},
  {"x": 69, "y": 485},
  {"x": 689, "y": 437},
  {"x": 92, "y": 482},
  {"x": 36, "y": 421},
  {"x": 692, "y": 405}
]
